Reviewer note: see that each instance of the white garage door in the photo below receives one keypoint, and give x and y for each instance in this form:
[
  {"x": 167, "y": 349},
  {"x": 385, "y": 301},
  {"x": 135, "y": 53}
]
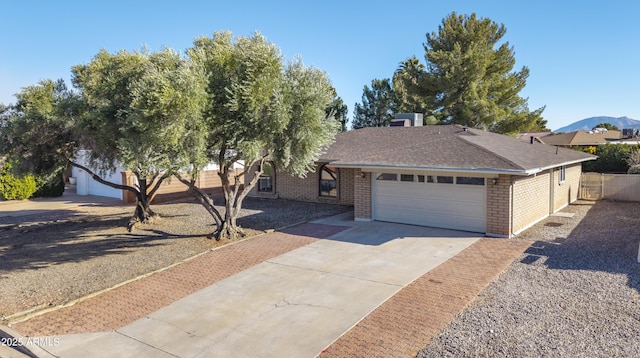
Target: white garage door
[{"x": 452, "y": 202}]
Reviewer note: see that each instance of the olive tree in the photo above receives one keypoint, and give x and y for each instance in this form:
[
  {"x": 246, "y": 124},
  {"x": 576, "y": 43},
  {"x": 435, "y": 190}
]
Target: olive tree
[
  {"x": 38, "y": 131},
  {"x": 140, "y": 108},
  {"x": 259, "y": 109},
  {"x": 133, "y": 110}
]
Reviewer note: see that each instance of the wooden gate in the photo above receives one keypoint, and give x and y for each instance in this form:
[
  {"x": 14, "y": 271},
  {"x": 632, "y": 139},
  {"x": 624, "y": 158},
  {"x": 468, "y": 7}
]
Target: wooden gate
[
  {"x": 623, "y": 187},
  {"x": 591, "y": 186}
]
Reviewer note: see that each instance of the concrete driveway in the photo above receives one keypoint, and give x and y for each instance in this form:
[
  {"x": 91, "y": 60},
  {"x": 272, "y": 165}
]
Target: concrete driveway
[{"x": 292, "y": 305}]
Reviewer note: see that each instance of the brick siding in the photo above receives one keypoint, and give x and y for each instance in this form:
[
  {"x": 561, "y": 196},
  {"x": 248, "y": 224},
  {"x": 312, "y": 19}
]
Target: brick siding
[
  {"x": 514, "y": 203},
  {"x": 286, "y": 186},
  {"x": 499, "y": 206},
  {"x": 566, "y": 192},
  {"x": 172, "y": 188},
  {"x": 530, "y": 200},
  {"x": 362, "y": 193}
]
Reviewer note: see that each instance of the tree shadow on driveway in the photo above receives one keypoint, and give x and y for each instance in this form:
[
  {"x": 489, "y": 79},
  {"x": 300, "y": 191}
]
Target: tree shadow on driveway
[{"x": 605, "y": 239}]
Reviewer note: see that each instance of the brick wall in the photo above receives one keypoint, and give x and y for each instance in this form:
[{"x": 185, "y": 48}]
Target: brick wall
[
  {"x": 499, "y": 206},
  {"x": 172, "y": 189},
  {"x": 530, "y": 200},
  {"x": 307, "y": 189},
  {"x": 275, "y": 182},
  {"x": 566, "y": 192},
  {"x": 347, "y": 186},
  {"x": 362, "y": 195}
]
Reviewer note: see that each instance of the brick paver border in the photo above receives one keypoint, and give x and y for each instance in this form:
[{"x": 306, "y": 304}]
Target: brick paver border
[
  {"x": 406, "y": 322},
  {"x": 124, "y": 304}
]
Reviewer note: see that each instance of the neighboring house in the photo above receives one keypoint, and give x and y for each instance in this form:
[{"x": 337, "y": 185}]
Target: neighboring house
[
  {"x": 533, "y": 136},
  {"x": 583, "y": 139},
  {"x": 442, "y": 176},
  {"x": 85, "y": 185},
  {"x": 170, "y": 189}
]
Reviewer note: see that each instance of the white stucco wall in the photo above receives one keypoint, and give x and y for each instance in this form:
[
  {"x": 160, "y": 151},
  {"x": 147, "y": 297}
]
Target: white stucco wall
[{"x": 85, "y": 185}]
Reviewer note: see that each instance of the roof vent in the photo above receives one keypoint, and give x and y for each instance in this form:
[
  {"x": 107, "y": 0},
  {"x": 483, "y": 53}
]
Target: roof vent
[
  {"x": 414, "y": 119},
  {"x": 400, "y": 123}
]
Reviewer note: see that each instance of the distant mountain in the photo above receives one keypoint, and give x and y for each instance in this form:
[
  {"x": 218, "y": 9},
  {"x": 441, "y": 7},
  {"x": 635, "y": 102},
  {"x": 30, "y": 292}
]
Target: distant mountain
[{"x": 589, "y": 123}]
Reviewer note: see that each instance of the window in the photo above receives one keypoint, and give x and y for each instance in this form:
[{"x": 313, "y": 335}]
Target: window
[
  {"x": 469, "y": 181},
  {"x": 265, "y": 183},
  {"x": 445, "y": 179},
  {"x": 420, "y": 178},
  {"x": 430, "y": 179},
  {"x": 563, "y": 173},
  {"x": 387, "y": 176},
  {"x": 328, "y": 181},
  {"x": 406, "y": 177}
]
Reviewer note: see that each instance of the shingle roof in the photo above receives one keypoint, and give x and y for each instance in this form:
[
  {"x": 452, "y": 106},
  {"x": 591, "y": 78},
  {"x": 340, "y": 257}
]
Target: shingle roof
[
  {"x": 581, "y": 138},
  {"x": 446, "y": 147},
  {"x": 526, "y": 137}
]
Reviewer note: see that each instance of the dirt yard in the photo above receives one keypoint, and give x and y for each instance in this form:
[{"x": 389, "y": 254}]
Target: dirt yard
[{"x": 48, "y": 259}]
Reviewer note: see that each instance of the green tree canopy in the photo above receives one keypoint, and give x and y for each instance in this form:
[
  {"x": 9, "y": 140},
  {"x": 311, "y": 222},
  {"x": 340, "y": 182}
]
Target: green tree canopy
[
  {"x": 473, "y": 76},
  {"x": 410, "y": 87},
  {"x": 39, "y": 131},
  {"x": 139, "y": 109},
  {"x": 258, "y": 109},
  {"x": 607, "y": 126},
  {"x": 612, "y": 158},
  {"x": 468, "y": 79},
  {"x": 338, "y": 110},
  {"x": 5, "y": 114},
  {"x": 378, "y": 105},
  {"x": 132, "y": 110}
]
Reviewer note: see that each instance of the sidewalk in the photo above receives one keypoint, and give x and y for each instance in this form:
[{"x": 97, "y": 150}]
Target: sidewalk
[{"x": 287, "y": 294}]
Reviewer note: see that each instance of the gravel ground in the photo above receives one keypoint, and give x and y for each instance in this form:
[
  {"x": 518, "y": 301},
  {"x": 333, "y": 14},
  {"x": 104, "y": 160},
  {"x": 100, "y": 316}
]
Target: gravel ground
[
  {"x": 56, "y": 257},
  {"x": 573, "y": 293}
]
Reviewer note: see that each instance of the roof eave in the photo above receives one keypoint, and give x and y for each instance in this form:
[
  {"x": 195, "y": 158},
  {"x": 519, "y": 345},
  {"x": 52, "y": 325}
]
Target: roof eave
[
  {"x": 377, "y": 167},
  {"x": 569, "y": 162},
  {"x": 494, "y": 171}
]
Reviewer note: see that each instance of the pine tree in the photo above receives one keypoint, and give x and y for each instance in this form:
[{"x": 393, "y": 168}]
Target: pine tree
[
  {"x": 378, "y": 105},
  {"x": 472, "y": 79}
]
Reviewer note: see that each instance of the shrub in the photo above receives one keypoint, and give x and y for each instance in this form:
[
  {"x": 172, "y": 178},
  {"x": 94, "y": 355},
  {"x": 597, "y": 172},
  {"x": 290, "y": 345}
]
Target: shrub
[
  {"x": 635, "y": 169},
  {"x": 612, "y": 158},
  {"x": 15, "y": 188},
  {"x": 50, "y": 188},
  {"x": 634, "y": 157}
]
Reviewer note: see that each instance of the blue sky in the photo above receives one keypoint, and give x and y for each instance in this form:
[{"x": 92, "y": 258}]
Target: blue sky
[{"x": 583, "y": 60}]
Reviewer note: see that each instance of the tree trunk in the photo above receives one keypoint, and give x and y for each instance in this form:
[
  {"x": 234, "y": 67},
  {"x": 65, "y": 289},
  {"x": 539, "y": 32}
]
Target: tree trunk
[
  {"x": 143, "y": 213},
  {"x": 207, "y": 202},
  {"x": 230, "y": 228},
  {"x": 227, "y": 226},
  {"x": 235, "y": 196}
]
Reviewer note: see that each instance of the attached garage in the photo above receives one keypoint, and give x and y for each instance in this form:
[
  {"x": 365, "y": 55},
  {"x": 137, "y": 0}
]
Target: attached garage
[
  {"x": 440, "y": 200},
  {"x": 446, "y": 176}
]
